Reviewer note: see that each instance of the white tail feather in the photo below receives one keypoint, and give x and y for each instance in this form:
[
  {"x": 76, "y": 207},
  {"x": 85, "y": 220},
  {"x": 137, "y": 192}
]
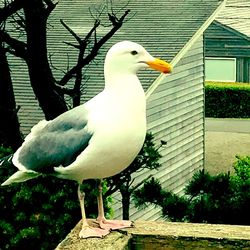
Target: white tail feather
[{"x": 21, "y": 176}]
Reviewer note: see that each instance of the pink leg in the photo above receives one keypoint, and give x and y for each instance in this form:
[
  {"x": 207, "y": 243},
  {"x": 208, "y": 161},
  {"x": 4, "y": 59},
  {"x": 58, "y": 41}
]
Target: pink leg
[
  {"x": 88, "y": 231},
  {"x": 108, "y": 224}
]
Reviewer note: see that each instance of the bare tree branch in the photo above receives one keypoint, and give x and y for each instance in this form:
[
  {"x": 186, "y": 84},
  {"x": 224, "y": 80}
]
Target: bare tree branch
[
  {"x": 50, "y": 6},
  {"x": 81, "y": 46},
  {"x": 19, "y": 21},
  {"x": 10, "y": 9},
  {"x": 78, "y": 39},
  {"x": 17, "y": 48},
  {"x": 117, "y": 23},
  {"x": 82, "y": 43},
  {"x": 65, "y": 90},
  {"x": 93, "y": 30}
]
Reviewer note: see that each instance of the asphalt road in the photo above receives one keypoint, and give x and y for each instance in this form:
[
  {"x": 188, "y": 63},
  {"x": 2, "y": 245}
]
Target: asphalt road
[
  {"x": 228, "y": 125},
  {"x": 225, "y": 138}
]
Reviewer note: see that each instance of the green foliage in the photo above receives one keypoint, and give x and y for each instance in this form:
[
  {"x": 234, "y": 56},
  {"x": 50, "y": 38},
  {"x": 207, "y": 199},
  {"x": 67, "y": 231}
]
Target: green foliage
[
  {"x": 209, "y": 203},
  {"x": 242, "y": 170},
  {"x": 150, "y": 192},
  {"x": 227, "y": 100},
  {"x": 39, "y": 213},
  {"x": 4, "y": 151},
  {"x": 223, "y": 198},
  {"x": 173, "y": 207}
]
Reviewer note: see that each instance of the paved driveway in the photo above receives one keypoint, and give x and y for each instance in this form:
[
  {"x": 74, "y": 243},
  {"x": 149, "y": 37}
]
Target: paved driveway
[{"x": 225, "y": 138}]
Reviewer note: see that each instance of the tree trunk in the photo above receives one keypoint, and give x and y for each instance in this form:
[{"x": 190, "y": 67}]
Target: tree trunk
[
  {"x": 125, "y": 203},
  {"x": 10, "y": 134},
  {"x": 42, "y": 81}
]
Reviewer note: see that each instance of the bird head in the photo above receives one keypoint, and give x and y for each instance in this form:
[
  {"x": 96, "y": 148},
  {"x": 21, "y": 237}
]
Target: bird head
[{"x": 129, "y": 57}]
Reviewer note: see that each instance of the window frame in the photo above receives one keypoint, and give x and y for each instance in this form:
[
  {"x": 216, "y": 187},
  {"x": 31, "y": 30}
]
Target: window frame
[{"x": 224, "y": 59}]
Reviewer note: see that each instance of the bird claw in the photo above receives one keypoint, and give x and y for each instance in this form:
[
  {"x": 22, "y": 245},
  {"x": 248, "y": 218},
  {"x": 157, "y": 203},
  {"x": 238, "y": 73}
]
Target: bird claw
[
  {"x": 115, "y": 224},
  {"x": 91, "y": 232}
]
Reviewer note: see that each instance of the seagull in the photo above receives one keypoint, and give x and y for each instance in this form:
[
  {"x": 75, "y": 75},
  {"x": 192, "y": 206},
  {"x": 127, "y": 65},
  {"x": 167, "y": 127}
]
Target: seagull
[{"x": 97, "y": 139}]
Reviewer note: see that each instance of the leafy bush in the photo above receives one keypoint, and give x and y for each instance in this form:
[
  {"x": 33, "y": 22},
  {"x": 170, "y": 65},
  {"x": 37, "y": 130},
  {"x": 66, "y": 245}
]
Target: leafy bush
[
  {"x": 39, "y": 213},
  {"x": 173, "y": 207},
  {"x": 223, "y": 198},
  {"x": 5, "y": 151},
  {"x": 227, "y": 100}
]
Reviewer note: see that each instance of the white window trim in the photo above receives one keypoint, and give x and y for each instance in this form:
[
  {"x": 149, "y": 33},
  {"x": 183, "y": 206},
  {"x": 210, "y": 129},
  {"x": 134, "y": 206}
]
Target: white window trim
[{"x": 223, "y": 58}]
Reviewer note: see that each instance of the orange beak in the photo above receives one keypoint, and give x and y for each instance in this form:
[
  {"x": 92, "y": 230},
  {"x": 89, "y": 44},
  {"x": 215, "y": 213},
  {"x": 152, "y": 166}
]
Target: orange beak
[{"x": 160, "y": 65}]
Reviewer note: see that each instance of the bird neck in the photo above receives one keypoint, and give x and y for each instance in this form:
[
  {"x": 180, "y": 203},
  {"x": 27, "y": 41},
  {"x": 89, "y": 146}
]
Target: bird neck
[
  {"x": 122, "y": 81},
  {"x": 125, "y": 87}
]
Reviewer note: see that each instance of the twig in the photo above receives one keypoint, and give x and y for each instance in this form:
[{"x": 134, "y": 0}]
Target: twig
[
  {"x": 78, "y": 39},
  {"x": 10, "y": 9},
  {"x": 64, "y": 90},
  {"x": 117, "y": 23},
  {"x": 132, "y": 189},
  {"x": 19, "y": 47}
]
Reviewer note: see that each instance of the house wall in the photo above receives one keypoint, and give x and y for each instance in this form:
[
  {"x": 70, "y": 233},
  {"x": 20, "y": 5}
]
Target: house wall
[
  {"x": 175, "y": 114},
  {"x": 29, "y": 111},
  {"x": 225, "y": 42}
]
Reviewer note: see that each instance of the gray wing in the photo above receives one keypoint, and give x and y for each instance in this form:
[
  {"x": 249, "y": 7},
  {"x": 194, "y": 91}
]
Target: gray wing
[{"x": 58, "y": 143}]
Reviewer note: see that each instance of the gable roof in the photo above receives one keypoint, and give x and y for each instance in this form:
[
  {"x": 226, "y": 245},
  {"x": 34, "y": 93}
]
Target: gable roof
[
  {"x": 236, "y": 15},
  {"x": 230, "y": 30},
  {"x": 167, "y": 29},
  {"x": 156, "y": 24},
  {"x": 164, "y": 28}
]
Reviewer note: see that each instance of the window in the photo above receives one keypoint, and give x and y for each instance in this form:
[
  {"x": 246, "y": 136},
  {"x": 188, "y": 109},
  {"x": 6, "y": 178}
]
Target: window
[{"x": 220, "y": 69}]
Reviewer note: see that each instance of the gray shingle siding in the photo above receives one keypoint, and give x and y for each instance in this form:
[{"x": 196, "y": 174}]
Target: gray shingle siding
[
  {"x": 179, "y": 120},
  {"x": 29, "y": 113},
  {"x": 236, "y": 15}
]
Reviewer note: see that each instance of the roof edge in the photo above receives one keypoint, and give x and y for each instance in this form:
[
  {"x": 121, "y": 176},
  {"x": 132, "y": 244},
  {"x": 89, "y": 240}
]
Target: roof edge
[
  {"x": 232, "y": 30},
  {"x": 184, "y": 50}
]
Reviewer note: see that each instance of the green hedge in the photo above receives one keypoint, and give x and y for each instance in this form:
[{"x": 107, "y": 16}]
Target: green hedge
[{"x": 227, "y": 100}]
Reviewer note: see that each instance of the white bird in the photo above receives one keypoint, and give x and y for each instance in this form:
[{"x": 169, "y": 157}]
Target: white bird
[{"x": 97, "y": 139}]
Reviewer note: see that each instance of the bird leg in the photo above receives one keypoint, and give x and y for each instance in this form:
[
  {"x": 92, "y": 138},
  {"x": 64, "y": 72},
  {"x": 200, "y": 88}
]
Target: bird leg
[
  {"x": 88, "y": 231},
  {"x": 103, "y": 222}
]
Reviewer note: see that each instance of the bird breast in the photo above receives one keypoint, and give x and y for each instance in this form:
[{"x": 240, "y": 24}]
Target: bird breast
[{"x": 117, "y": 141}]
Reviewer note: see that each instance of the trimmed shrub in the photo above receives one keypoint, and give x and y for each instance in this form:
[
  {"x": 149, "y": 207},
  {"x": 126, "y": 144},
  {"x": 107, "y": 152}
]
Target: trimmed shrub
[
  {"x": 227, "y": 100},
  {"x": 223, "y": 198}
]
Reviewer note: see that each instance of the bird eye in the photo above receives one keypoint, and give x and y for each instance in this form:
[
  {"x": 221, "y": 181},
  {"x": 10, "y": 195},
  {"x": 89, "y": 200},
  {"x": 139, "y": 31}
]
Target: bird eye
[{"x": 134, "y": 52}]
